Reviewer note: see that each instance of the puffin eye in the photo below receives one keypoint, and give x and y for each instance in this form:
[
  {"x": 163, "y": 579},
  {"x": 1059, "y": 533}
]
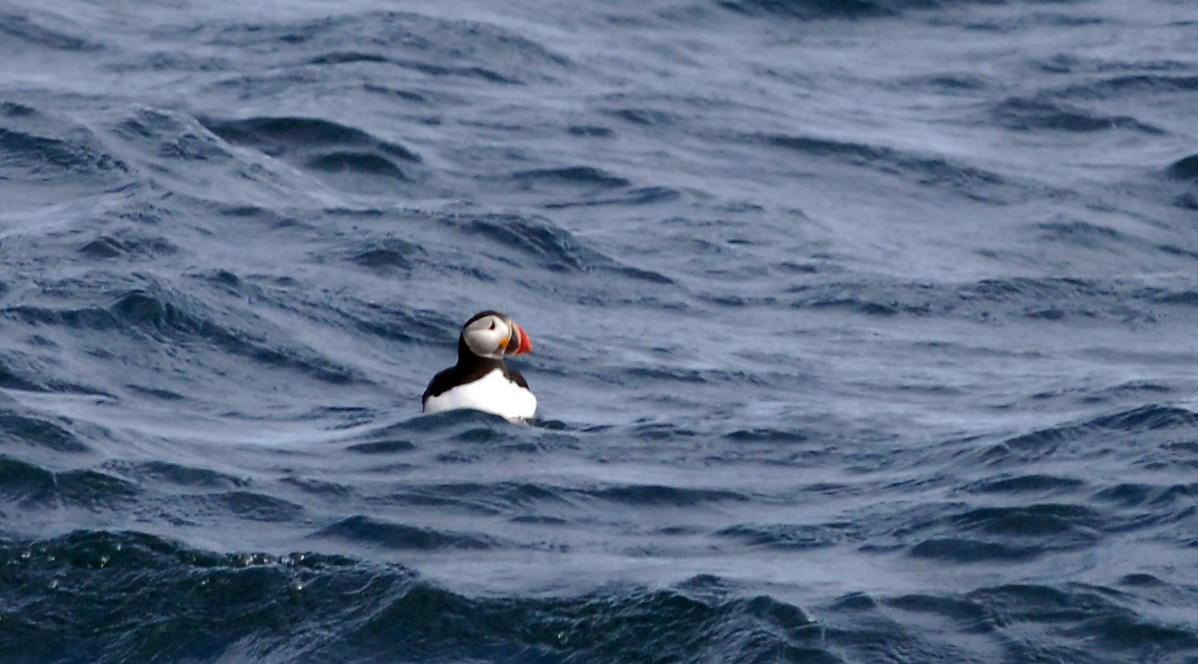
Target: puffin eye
[{"x": 492, "y": 325}]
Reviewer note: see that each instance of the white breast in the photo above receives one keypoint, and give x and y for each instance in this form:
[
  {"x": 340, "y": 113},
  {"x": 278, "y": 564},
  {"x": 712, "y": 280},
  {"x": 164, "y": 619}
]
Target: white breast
[{"x": 493, "y": 393}]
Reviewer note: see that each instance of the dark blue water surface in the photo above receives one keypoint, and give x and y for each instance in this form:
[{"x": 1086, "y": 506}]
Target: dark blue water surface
[{"x": 865, "y": 331}]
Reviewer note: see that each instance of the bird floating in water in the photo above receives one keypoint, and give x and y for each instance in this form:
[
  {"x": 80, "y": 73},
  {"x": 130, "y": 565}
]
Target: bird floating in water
[{"x": 481, "y": 380}]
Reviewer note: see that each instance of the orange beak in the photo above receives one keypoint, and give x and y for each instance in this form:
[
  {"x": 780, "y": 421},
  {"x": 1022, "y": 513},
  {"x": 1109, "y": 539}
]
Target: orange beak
[{"x": 525, "y": 345}]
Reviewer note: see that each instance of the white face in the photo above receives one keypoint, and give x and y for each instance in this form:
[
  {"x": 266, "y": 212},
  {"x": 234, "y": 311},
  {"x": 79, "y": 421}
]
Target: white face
[{"x": 488, "y": 336}]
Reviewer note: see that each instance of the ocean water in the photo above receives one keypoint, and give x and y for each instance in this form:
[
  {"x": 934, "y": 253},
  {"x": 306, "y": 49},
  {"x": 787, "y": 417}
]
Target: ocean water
[{"x": 864, "y": 331}]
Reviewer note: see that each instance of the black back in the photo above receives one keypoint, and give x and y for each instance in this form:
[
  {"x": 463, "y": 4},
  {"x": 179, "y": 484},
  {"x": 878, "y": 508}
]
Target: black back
[{"x": 470, "y": 367}]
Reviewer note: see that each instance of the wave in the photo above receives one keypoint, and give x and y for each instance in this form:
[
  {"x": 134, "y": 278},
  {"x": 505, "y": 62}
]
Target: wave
[
  {"x": 554, "y": 249},
  {"x": 1017, "y": 622},
  {"x": 245, "y": 505},
  {"x": 40, "y": 148},
  {"x": 174, "y": 475},
  {"x": 1056, "y": 520},
  {"x": 968, "y": 534},
  {"x": 1139, "y": 84},
  {"x": 1024, "y": 484},
  {"x": 165, "y": 315},
  {"x": 128, "y": 244},
  {"x": 365, "y": 530},
  {"x": 966, "y": 550},
  {"x": 338, "y": 154},
  {"x": 1050, "y": 299},
  {"x": 927, "y": 170},
  {"x": 511, "y": 498},
  {"x": 389, "y": 446},
  {"x": 767, "y": 435},
  {"x": 1185, "y": 168},
  {"x": 808, "y": 9},
  {"x": 794, "y": 537},
  {"x": 430, "y": 46},
  {"x": 644, "y": 117},
  {"x": 34, "y": 30},
  {"x": 31, "y": 488},
  {"x": 1024, "y": 114},
  {"x": 638, "y": 196},
  {"x": 574, "y": 176},
  {"x": 362, "y": 163},
  {"x": 1158, "y": 497},
  {"x": 656, "y": 495},
  {"x": 189, "y": 604},
  {"x": 694, "y": 622},
  {"x": 277, "y": 136},
  {"x": 181, "y": 603},
  {"x": 34, "y": 431},
  {"x": 1063, "y": 439},
  {"x": 11, "y": 376},
  {"x": 1087, "y": 616}
]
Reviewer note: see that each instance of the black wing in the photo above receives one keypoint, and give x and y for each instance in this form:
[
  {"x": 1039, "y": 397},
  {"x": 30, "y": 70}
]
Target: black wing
[
  {"x": 514, "y": 376},
  {"x": 440, "y": 384}
]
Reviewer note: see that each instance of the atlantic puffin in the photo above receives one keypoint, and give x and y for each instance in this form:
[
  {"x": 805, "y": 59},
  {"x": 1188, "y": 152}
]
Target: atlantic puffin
[{"x": 481, "y": 380}]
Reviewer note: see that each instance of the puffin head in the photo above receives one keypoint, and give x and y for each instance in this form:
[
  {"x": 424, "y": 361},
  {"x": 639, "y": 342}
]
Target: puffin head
[{"x": 493, "y": 335}]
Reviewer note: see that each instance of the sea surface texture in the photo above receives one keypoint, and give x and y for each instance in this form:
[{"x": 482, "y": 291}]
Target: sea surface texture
[{"x": 864, "y": 331}]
